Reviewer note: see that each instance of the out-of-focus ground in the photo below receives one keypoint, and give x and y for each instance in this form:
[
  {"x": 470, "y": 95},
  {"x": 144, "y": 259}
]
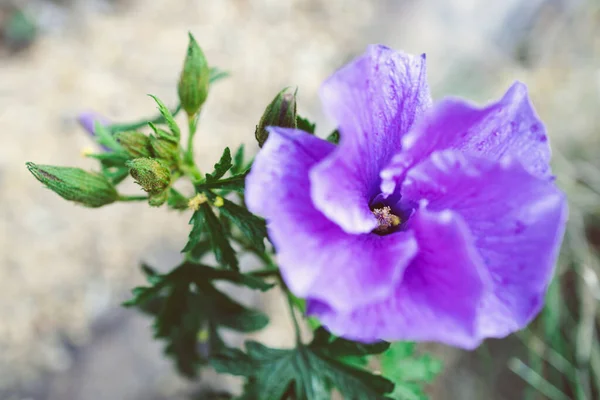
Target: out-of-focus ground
[{"x": 64, "y": 269}]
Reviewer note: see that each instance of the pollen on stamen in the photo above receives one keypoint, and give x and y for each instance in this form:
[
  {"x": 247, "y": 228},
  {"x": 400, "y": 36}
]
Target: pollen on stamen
[{"x": 386, "y": 220}]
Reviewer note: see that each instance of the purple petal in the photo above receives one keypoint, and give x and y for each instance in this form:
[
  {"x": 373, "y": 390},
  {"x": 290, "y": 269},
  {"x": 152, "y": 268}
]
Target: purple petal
[
  {"x": 318, "y": 259},
  {"x": 375, "y": 100},
  {"x": 517, "y": 221},
  {"x": 88, "y": 121},
  {"x": 509, "y": 127},
  {"x": 438, "y": 297}
]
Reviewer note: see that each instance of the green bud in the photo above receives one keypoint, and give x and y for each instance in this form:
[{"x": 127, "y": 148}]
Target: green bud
[
  {"x": 164, "y": 149},
  {"x": 194, "y": 79},
  {"x": 152, "y": 175},
  {"x": 75, "y": 184},
  {"x": 135, "y": 143},
  {"x": 157, "y": 200},
  {"x": 281, "y": 112}
]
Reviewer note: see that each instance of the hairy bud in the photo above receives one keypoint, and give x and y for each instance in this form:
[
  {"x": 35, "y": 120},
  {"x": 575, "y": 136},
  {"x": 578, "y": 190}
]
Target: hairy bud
[
  {"x": 136, "y": 144},
  {"x": 75, "y": 184},
  {"x": 194, "y": 79},
  {"x": 281, "y": 112},
  {"x": 151, "y": 174},
  {"x": 164, "y": 149}
]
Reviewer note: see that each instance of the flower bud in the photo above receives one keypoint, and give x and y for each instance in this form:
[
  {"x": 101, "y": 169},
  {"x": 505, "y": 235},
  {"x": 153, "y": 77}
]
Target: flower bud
[
  {"x": 164, "y": 149},
  {"x": 157, "y": 200},
  {"x": 152, "y": 175},
  {"x": 194, "y": 79},
  {"x": 281, "y": 112},
  {"x": 88, "y": 188},
  {"x": 135, "y": 143}
]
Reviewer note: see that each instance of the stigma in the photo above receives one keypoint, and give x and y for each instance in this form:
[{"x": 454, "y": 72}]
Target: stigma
[{"x": 386, "y": 220}]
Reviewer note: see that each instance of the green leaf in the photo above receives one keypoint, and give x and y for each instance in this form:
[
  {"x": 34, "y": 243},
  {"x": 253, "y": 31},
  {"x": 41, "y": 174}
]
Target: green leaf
[
  {"x": 189, "y": 310},
  {"x": 131, "y": 126},
  {"x": 305, "y": 125},
  {"x": 197, "y": 234},
  {"x": 334, "y": 137},
  {"x": 220, "y": 244},
  {"x": 142, "y": 294},
  {"x": 349, "y": 352},
  {"x": 178, "y": 323},
  {"x": 237, "y": 317},
  {"x": 176, "y": 200},
  {"x": 310, "y": 372},
  {"x": 221, "y": 167},
  {"x": 162, "y": 134},
  {"x": 353, "y": 383},
  {"x": 238, "y": 161},
  {"x": 114, "y": 164},
  {"x": 168, "y": 117},
  {"x": 408, "y": 371},
  {"x": 233, "y": 183},
  {"x": 339, "y": 347},
  {"x": 150, "y": 273},
  {"x": 171, "y": 318},
  {"x": 205, "y": 222},
  {"x": 105, "y": 138},
  {"x": 235, "y": 277},
  {"x": 200, "y": 250},
  {"x": 251, "y": 226},
  {"x": 272, "y": 369},
  {"x": 216, "y": 75},
  {"x": 111, "y": 159},
  {"x": 249, "y": 391},
  {"x": 115, "y": 175}
]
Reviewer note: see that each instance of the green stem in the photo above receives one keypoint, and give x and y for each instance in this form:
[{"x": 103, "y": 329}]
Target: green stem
[
  {"x": 193, "y": 172},
  {"x": 192, "y": 127},
  {"x": 272, "y": 270},
  {"x": 114, "y": 128},
  {"x": 175, "y": 176},
  {"x": 189, "y": 165},
  {"x": 132, "y": 198},
  {"x": 265, "y": 273},
  {"x": 264, "y": 256},
  {"x": 232, "y": 180},
  {"x": 294, "y": 319}
]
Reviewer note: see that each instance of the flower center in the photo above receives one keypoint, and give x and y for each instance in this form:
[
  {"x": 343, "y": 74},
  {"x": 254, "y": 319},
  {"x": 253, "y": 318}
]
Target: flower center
[{"x": 386, "y": 220}]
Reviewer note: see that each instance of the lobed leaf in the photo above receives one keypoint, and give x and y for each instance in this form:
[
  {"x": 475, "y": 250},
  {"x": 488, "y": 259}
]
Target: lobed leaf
[
  {"x": 221, "y": 167},
  {"x": 168, "y": 117},
  {"x": 189, "y": 310},
  {"x": 408, "y": 371},
  {"x": 334, "y": 137},
  {"x": 305, "y": 125},
  {"x": 309, "y": 372},
  {"x": 251, "y": 226}
]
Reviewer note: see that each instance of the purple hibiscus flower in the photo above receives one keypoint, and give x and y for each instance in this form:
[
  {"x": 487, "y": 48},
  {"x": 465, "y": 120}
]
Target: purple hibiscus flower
[{"x": 427, "y": 223}]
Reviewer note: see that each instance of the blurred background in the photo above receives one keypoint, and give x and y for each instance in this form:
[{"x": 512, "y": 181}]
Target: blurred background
[{"x": 64, "y": 269}]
